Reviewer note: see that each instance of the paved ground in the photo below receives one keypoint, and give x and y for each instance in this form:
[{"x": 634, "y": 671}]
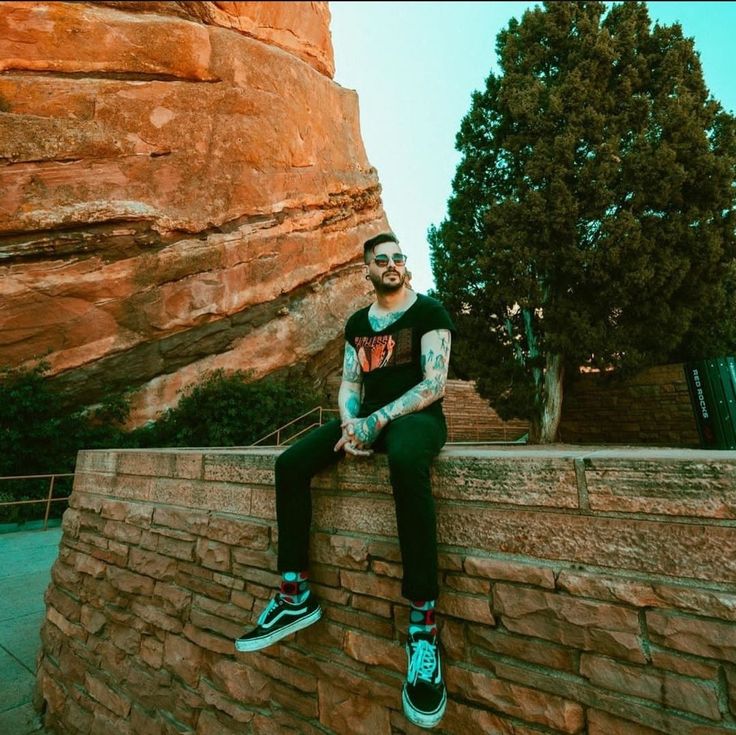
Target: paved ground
[{"x": 26, "y": 558}]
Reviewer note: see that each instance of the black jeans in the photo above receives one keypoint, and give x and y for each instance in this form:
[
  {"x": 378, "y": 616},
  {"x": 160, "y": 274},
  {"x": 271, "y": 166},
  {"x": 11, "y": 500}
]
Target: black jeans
[{"x": 411, "y": 442}]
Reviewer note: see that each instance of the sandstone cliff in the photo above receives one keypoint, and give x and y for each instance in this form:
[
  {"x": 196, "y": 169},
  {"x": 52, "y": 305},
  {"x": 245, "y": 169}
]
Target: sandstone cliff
[{"x": 182, "y": 187}]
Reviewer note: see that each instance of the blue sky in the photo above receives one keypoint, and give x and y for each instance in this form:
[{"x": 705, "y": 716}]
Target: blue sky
[{"x": 415, "y": 65}]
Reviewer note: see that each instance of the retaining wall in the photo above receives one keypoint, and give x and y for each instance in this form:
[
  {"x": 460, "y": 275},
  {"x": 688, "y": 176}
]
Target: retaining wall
[{"x": 583, "y": 591}]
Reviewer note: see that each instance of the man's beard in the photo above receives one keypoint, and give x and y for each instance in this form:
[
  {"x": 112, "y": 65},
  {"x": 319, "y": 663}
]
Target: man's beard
[{"x": 383, "y": 286}]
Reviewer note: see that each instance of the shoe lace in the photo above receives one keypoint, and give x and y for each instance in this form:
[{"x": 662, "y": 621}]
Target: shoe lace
[
  {"x": 269, "y": 609},
  {"x": 423, "y": 661}
]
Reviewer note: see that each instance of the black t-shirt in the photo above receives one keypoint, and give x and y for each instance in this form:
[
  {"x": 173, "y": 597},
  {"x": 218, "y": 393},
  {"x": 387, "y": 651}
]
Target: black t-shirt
[{"x": 390, "y": 359}]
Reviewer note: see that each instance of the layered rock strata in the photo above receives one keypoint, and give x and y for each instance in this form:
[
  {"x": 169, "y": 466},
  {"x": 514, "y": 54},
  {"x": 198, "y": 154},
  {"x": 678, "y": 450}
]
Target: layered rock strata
[{"x": 182, "y": 187}]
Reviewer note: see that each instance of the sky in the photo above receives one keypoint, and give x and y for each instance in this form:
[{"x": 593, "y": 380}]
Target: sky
[{"x": 415, "y": 65}]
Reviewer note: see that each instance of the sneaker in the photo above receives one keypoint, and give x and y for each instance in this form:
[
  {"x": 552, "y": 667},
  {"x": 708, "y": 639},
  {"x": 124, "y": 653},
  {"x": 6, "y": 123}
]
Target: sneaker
[
  {"x": 424, "y": 695},
  {"x": 278, "y": 620}
]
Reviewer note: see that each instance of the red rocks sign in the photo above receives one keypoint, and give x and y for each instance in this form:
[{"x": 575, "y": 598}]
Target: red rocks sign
[{"x": 182, "y": 187}]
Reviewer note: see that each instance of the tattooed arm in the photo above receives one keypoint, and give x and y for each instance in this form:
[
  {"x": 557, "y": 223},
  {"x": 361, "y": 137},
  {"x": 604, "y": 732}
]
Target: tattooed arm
[
  {"x": 348, "y": 401},
  {"x": 435, "y": 362}
]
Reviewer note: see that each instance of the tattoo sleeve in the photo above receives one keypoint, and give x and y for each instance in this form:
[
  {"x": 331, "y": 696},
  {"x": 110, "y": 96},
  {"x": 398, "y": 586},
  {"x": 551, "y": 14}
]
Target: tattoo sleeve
[
  {"x": 349, "y": 396},
  {"x": 435, "y": 363}
]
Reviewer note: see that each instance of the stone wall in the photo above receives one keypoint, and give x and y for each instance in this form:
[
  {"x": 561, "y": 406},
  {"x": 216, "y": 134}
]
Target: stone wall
[
  {"x": 583, "y": 591},
  {"x": 652, "y": 407}
]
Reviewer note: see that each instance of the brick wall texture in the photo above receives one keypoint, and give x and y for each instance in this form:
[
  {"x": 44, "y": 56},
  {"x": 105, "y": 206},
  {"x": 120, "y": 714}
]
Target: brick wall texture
[
  {"x": 471, "y": 419},
  {"x": 582, "y": 592},
  {"x": 652, "y": 408}
]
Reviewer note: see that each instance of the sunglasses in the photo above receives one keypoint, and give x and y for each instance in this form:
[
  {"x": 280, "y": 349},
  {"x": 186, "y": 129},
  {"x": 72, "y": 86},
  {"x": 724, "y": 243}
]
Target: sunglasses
[{"x": 382, "y": 260}]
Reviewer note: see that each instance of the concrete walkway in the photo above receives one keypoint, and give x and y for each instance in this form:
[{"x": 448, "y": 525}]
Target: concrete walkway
[{"x": 26, "y": 558}]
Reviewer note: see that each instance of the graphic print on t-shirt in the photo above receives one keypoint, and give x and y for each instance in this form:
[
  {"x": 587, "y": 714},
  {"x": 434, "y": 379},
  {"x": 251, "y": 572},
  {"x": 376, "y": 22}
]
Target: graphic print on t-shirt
[{"x": 383, "y": 350}]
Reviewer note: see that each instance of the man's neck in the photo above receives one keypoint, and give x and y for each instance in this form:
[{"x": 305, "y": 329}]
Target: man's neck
[{"x": 394, "y": 300}]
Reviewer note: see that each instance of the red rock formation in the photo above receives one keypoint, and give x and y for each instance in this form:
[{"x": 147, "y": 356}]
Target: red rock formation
[{"x": 182, "y": 187}]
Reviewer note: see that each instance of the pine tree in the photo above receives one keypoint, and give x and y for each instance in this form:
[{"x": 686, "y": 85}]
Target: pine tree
[{"x": 592, "y": 215}]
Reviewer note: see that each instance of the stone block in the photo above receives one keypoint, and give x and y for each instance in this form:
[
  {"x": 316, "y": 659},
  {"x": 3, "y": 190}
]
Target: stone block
[
  {"x": 339, "y": 550},
  {"x": 214, "y": 623},
  {"x": 89, "y": 565},
  {"x": 493, "y": 476},
  {"x": 462, "y": 719},
  {"x": 683, "y": 663},
  {"x": 184, "y": 519},
  {"x": 151, "y": 564},
  {"x": 671, "y": 549},
  {"x": 462, "y": 583},
  {"x": 387, "y": 569},
  {"x": 238, "y": 532},
  {"x": 708, "y": 638},
  {"x": 177, "y": 600},
  {"x": 176, "y": 548},
  {"x": 152, "y": 651},
  {"x": 252, "y": 468},
  {"x": 63, "y": 602},
  {"x": 514, "y": 700},
  {"x": 153, "y": 614},
  {"x": 672, "y": 486},
  {"x": 282, "y": 672},
  {"x": 375, "y": 651},
  {"x": 266, "y": 559},
  {"x": 365, "y": 583},
  {"x": 466, "y": 607},
  {"x": 182, "y": 658},
  {"x": 210, "y": 641},
  {"x": 130, "y": 582},
  {"x": 125, "y": 638},
  {"x": 343, "y": 711},
  {"x": 69, "y": 629},
  {"x": 330, "y": 594},
  {"x": 603, "y": 723},
  {"x": 509, "y": 571},
  {"x": 524, "y": 648},
  {"x": 645, "y": 593},
  {"x": 588, "y": 625},
  {"x": 371, "y": 605},
  {"x": 381, "y": 549},
  {"x": 210, "y": 724},
  {"x": 114, "y": 701},
  {"x": 360, "y": 621},
  {"x": 103, "y": 724},
  {"x": 202, "y": 585},
  {"x": 213, "y": 554}
]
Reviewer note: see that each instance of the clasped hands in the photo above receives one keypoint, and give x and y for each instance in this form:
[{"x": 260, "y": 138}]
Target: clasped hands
[{"x": 358, "y": 435}]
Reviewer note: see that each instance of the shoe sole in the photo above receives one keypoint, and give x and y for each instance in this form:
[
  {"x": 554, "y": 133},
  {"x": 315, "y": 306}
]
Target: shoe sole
[
  {"x": 256, "y": 644},
  {"x": 420, "y": 719}
]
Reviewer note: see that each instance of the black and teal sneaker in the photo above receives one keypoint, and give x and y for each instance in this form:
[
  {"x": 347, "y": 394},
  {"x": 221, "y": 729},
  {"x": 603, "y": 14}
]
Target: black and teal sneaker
[
  {"x": 424, "y": 695},
  {"x": 279, "y": 619}
]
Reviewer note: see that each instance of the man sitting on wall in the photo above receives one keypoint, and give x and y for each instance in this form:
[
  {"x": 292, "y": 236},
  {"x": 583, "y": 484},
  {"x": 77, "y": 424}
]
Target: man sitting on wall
[{"x": 397, "y": 352}]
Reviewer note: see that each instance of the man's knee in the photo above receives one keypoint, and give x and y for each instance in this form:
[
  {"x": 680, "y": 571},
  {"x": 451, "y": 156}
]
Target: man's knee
[
  {"x": 286, "y": 462},
  {"x": 409, "y": 459}
]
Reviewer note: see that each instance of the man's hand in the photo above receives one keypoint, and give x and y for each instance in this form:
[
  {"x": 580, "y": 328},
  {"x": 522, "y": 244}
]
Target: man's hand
[
  {"x": 359, "y": 434},
  {"x": 348, "y": 441}
]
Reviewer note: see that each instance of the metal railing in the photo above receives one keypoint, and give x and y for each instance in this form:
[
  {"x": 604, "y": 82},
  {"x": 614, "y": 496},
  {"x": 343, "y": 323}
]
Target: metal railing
[
  {"x": 319, "y": 410},
  {"x": 47, "y": 500}
]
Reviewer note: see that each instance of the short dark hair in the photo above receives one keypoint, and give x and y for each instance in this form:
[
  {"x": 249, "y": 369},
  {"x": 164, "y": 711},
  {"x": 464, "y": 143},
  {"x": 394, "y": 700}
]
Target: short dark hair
[{"x": 369, "y": 245}]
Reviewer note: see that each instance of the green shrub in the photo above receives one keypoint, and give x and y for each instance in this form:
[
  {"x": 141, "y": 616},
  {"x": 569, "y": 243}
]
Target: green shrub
[
  {"x": 226, "y": 409},
  {"x": 40, "y": 436}
]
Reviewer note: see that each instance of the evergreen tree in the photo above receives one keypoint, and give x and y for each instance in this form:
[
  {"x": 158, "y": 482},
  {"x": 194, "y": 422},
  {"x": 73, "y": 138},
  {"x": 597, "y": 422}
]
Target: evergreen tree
[{"x": 592, "y": 215}]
